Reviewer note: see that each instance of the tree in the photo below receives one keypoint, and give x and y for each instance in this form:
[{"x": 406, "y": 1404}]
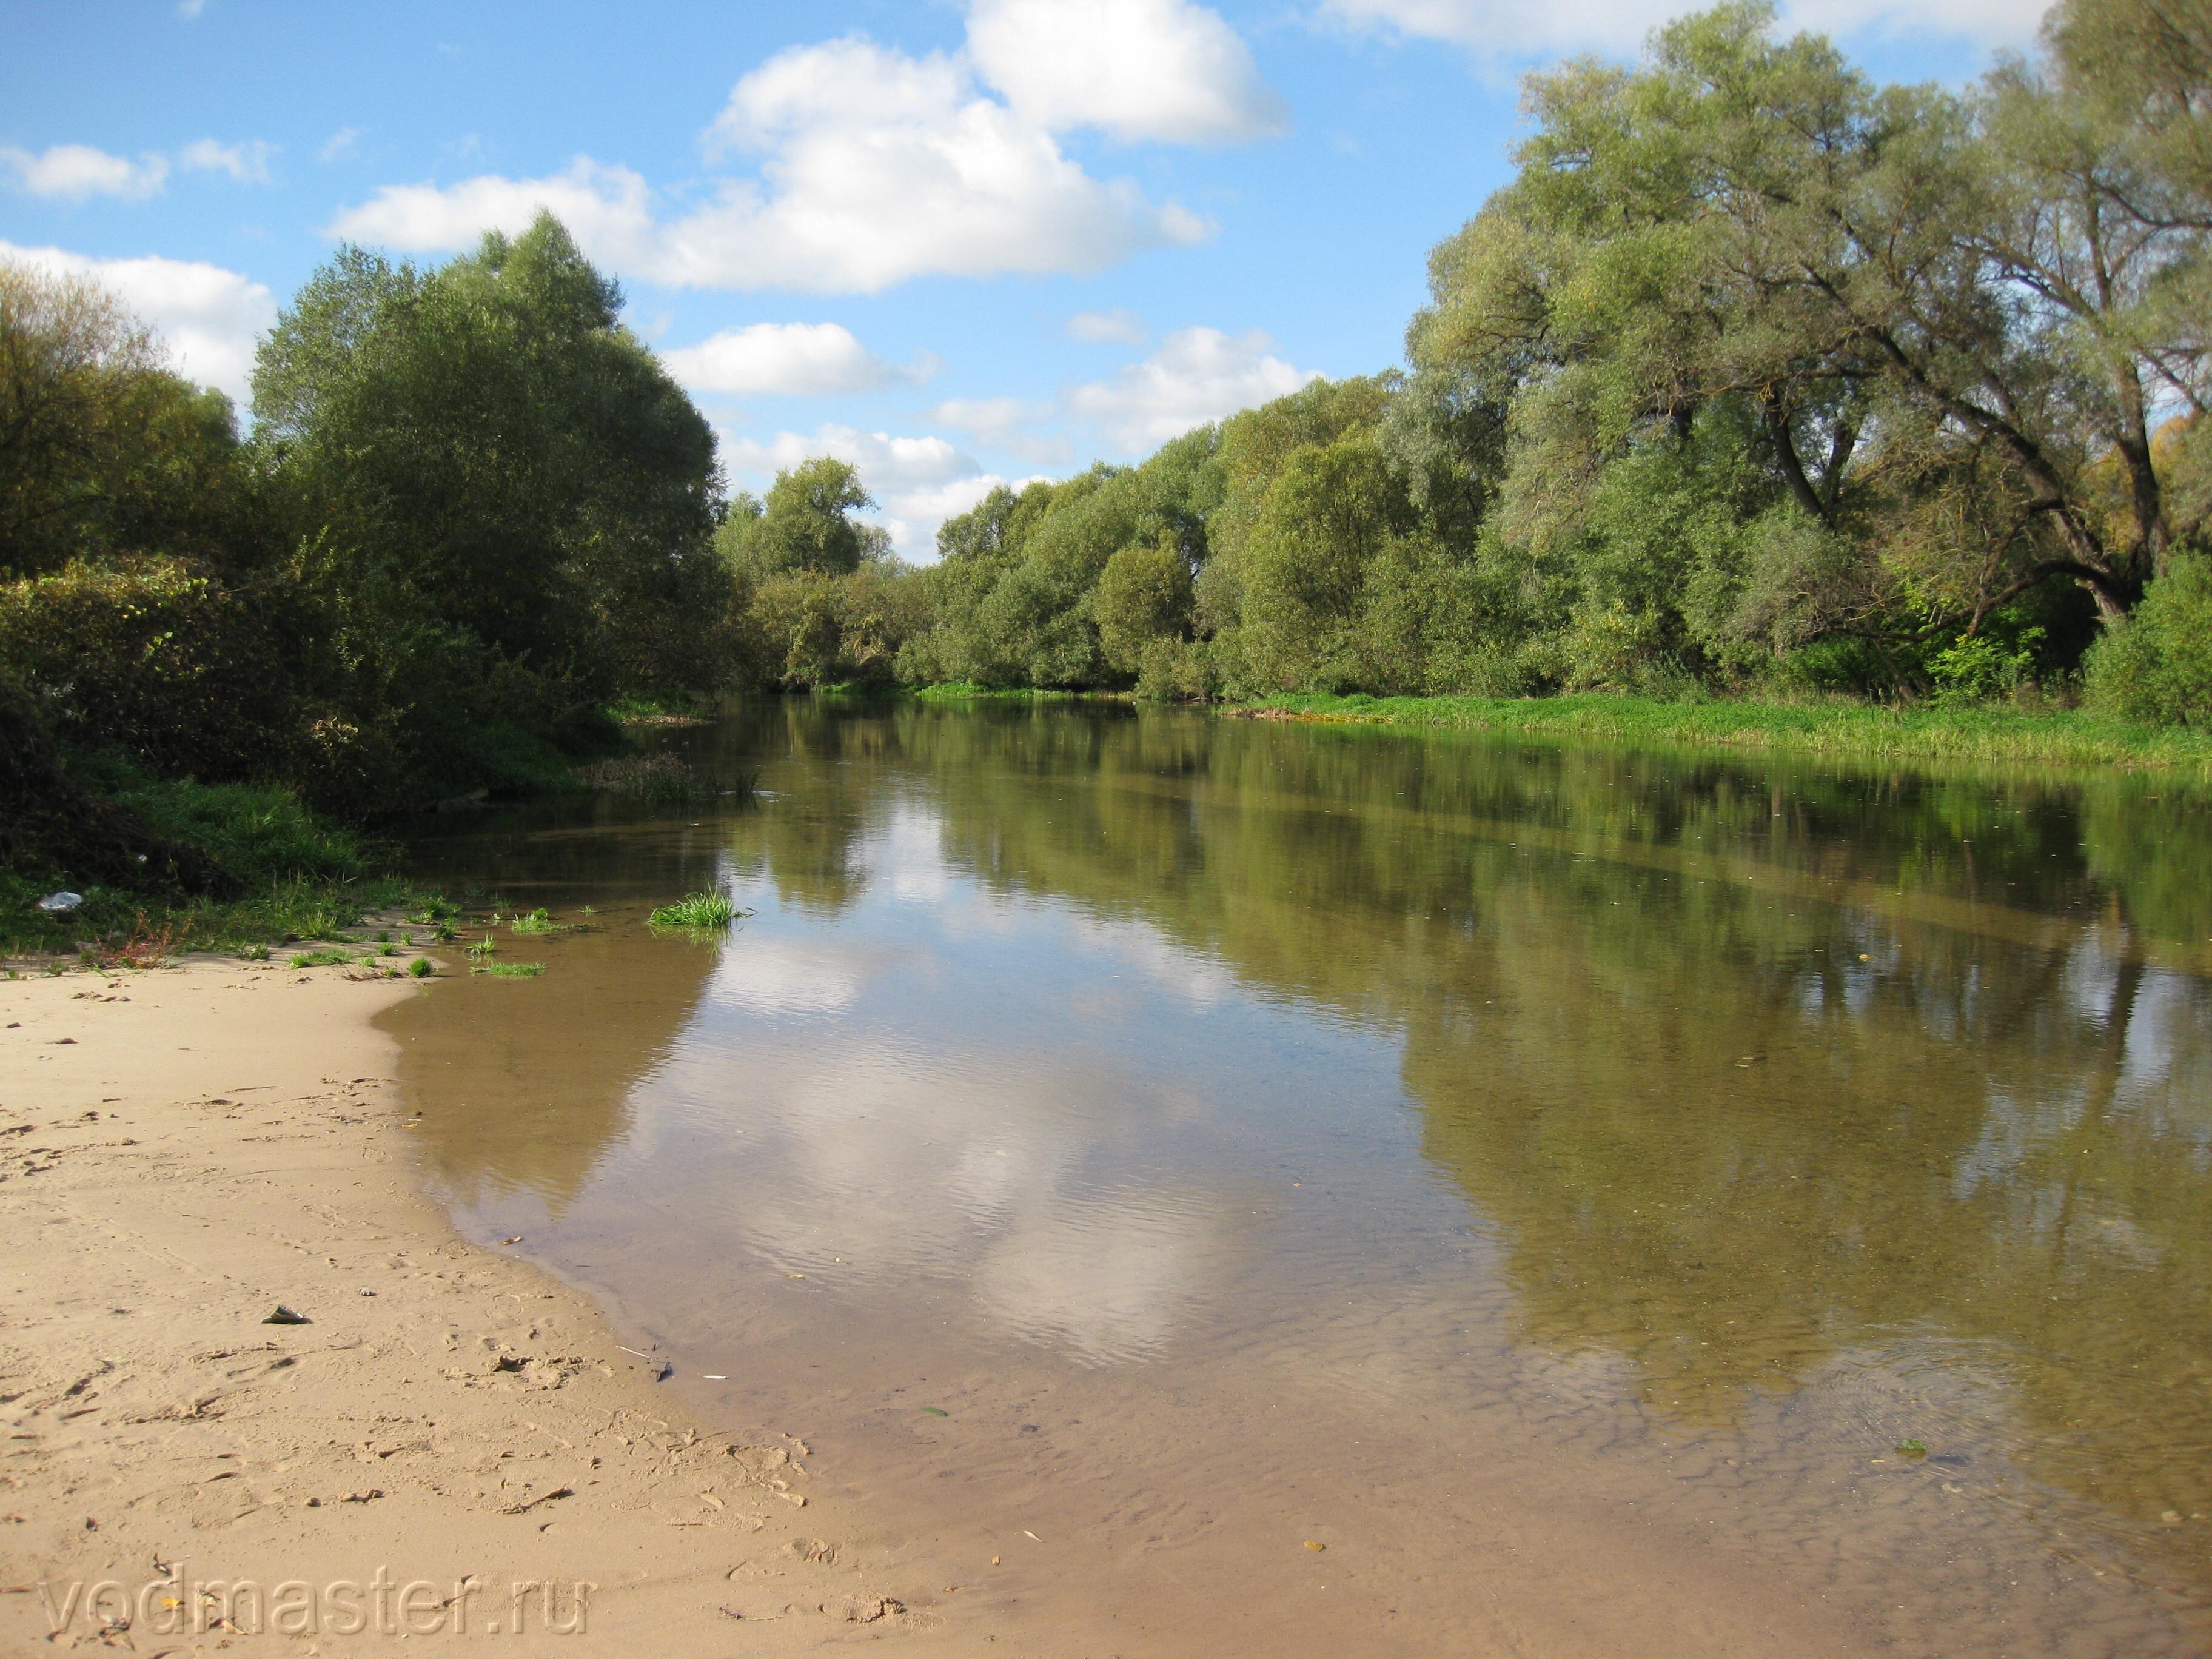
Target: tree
[
  {"x": 491, "y": 435},
  {"x": 103, "y": 452},
  {"x": 806, "y": 522},
  {"x": 1144, "y": 594},
  {"x": 1933, "y": 313}
]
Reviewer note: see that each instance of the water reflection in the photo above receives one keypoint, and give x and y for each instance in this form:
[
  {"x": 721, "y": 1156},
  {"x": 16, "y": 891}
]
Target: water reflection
[{"x": 1751, "y": 1075}]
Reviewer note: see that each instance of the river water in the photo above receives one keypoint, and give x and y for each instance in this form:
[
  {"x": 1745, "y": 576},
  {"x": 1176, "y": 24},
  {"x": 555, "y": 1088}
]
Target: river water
[{"x": 1612, "y": 1201}]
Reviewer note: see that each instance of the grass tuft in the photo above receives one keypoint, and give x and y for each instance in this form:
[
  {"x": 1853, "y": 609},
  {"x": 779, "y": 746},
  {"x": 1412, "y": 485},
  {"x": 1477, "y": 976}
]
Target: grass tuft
[
  {"x": 699, "y": 912},
  {"x": 510, "y": 969}
]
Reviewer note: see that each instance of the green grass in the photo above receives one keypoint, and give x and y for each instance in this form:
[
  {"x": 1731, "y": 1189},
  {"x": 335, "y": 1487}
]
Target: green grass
[
  {"x": 325, "y": 958},
  {"x": 1983, "y": 734},
  {"x": 277, "y": 912},
  {"x": 261, "y": 835},
  {"x": 305, "y": 877},
  {"x": 968, "y": 691},
  {"x": 422, "y": 968},
  {"x": 537, "y": 923},
  {"x": 699, "y": 912},
  {"x": 509, "y": 969}
]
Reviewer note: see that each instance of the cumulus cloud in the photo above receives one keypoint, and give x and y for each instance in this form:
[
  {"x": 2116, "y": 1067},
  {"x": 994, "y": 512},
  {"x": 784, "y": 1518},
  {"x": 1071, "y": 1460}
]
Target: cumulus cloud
[
  {"x": 789, "y": 359},
  {"x": 607, "y": 209},
  {"x": 875, "y": 165},
  {"x": 1162, "y": 70},
  {"x": 248, "y": 163},
  {"x": 209, "y": 317},
  {"x": 1197, "y": 375},
  {"x": 75, "y": 172},
  {"x": 1004, "y": 423},
  {"x": 1506, "y": 27},
  {"x": 1117, "y": 327},
  {"x": 885, "y": 461}
]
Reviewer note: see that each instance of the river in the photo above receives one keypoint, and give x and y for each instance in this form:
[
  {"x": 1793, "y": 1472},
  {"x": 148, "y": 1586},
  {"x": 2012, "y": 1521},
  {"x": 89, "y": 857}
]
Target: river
[{"x": 1608, "y": 1200}]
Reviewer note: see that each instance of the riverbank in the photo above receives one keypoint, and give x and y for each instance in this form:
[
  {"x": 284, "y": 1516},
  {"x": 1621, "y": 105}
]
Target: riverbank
[
  {"x": 190, "y": 1148},
  {"x": 1981, "y": 735}
]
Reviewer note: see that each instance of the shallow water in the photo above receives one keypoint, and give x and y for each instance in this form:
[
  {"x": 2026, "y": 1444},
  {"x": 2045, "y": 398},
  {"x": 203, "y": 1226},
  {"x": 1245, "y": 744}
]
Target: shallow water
[{"x": 1556, "y": 1180}]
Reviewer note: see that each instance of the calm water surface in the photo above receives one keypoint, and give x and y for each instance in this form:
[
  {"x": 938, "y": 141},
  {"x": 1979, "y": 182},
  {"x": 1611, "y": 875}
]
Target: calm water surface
[{"x": 1558, "y": 1180}]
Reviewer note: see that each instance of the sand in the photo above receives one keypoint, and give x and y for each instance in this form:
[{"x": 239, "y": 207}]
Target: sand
[{"x": 450, "y": 1447}]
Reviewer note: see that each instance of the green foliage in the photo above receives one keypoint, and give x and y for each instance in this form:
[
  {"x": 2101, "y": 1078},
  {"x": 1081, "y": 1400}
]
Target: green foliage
[
  {"x": 2157, "y": 666},
  {"x": 1144, "y": 596},
  {"x": 505, "y": 508},
  {"x": 509, "y": 969},
  {"x": 102, "y": 451},
  {"x": 806, "y": 525},
  {"x": 156, "y": 656}
]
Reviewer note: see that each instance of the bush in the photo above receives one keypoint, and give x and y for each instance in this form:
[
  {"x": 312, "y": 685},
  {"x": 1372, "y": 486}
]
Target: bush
[
  {"x": 2156, "y": 667},
  {"x": 1175, "y": 671},
  {"x": 155, "y": 656}
]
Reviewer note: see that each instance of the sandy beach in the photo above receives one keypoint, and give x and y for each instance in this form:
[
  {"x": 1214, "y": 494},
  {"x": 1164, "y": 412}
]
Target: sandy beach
[{"x": 452, "y": 1446}]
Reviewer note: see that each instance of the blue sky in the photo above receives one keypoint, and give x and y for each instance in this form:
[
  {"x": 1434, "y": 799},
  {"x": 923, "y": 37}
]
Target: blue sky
[{"x": 952, "y": 242}]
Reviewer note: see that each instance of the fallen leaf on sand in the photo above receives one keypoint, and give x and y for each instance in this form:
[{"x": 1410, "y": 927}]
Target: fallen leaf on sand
[{"x": 1315, "y": 1546}]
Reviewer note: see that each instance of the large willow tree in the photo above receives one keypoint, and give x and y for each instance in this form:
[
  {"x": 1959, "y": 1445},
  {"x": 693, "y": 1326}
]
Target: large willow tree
[{"x": 1786, "y": 354}]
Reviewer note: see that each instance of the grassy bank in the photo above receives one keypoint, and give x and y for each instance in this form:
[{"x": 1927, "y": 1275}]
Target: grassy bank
[
  {"x": 297, "y": 876},
  {"x": 1983, "y": 735}
]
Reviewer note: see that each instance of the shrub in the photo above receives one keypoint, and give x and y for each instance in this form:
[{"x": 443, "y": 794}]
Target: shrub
[
  {"x": 2157, "y": 666},
  {"x": 156, "y": 656}
]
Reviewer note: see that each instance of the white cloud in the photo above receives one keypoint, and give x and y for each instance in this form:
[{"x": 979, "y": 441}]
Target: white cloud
[
  {"x": 1197, "y": 375},
  {"x": 1006, "y": 424},
  {"x": 75, "y": 172},
  {"x": 1117, "y": 327},
  {"x": 191, "y": 8},
  {"x": 248, "y": 163},
  {"x": 209, "y": 317},
  {"x": 885, "y": 461},
  {"x": 1992, "y": 22},
  {"x": 912, "y": 516},
  {"x": 789, "y": 359},
  {"x": 876, "y": 167},
  {"x": 608, "y": 210},
  {"x": 339, "y": 145},
  {"x": 1509, "y": 28},
  {"x": 1139, "y": 69}
]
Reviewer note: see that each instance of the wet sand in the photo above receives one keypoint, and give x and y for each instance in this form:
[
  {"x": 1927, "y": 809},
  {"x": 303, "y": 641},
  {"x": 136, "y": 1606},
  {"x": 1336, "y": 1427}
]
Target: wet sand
[{"x": 188, "y": 1148}]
